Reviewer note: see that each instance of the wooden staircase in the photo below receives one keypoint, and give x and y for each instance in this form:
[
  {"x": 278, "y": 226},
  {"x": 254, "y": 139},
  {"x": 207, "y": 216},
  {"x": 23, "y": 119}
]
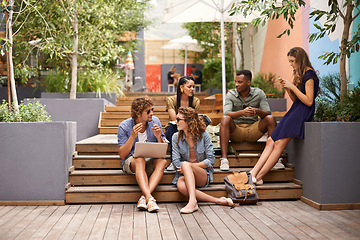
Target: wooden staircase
[
  {"x": 97, "y": 177},
  {"x": 113, "y": 115}
]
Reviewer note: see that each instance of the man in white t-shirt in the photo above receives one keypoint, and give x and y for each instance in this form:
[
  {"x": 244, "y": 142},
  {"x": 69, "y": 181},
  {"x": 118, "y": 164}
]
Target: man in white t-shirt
[{"x": 142, "y": 127}]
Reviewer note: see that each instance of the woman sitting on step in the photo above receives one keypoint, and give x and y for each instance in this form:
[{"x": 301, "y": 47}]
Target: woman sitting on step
[
  {"x": 193, "y": 156},
  {"x": 184, "y": 98},
  {"x": 302, "y": 90}
]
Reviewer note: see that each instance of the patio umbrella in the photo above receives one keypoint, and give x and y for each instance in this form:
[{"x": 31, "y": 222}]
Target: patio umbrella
[
  {"x": 205, "y": 11},
  {"x": 184, "y": 43}
]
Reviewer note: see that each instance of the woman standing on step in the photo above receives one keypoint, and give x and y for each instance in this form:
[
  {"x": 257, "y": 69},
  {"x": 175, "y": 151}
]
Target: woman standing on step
[
  {"x": 184, "y": 98},
  {"x": 302, "y": 91},
  {"x": 193, "y": 156}
]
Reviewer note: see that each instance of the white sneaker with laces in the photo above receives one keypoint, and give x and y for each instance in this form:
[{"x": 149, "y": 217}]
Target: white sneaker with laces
[
  {"x": 171, "y": 167},
  {"x": 152, "y": 206},
  {"x": 141, "y": 205},
  {"x": 279, "y": 165},
  {"x": 224, "y": 164}
]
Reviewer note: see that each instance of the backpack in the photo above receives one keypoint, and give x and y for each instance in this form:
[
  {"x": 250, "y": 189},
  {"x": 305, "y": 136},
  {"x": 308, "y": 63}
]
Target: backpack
[{"x": 240, "y": 188}]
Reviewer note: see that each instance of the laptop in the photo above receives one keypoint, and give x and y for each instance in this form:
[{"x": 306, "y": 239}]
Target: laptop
[{"x": 150, "y": 149}]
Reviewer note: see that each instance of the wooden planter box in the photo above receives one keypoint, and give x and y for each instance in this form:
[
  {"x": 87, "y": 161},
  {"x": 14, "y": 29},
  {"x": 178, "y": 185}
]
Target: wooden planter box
[
  {"x": 35, "y": 160},
  {"x": 327, "y": 162}
]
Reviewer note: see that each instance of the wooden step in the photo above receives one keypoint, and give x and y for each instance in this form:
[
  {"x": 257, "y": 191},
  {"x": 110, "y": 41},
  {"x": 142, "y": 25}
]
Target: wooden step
[
  {"x": 169, "y": 193},
  {"x": 200, "y": 95},
  {"x": 107, "y": 143},
  {"x": 114, "y": 162},
  {"x": 159, "y": 101},
  {"x": 116, "y": 122},
  {"x": 108, "y": 130},
  {"x": 116, "y": 115},
  {"x": 118, "y": 177},
  {"x": 127, "y": 108}
]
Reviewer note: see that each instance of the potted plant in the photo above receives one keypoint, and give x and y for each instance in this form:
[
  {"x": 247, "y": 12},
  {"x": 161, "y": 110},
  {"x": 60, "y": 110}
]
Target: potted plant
[{"x": 35, "y": 155}]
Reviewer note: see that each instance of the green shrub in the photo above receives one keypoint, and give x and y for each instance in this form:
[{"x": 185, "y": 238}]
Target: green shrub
[
  {"x": 266, "y": 83},
  {"x": 98, "y": 80},
  {"x": 57, "y": 81},
  {"x": 328, "y": 104},
  {"x": 88, "y": 80},
  {"x": 212, "y": 75},
  {"x": 31, "y": 112}
]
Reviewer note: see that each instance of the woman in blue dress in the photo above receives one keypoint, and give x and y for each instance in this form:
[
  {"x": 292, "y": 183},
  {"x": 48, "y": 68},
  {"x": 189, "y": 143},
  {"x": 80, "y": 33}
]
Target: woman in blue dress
[
  {"x": 302, "y": 91},
  {"x": 193, "y": 156}
]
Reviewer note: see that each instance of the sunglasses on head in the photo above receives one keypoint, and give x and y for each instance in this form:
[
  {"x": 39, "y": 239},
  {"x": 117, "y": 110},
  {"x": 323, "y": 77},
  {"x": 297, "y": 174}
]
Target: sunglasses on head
[
  {"x": 179, "y": 119},
  {"x": 148, "y": 111}
]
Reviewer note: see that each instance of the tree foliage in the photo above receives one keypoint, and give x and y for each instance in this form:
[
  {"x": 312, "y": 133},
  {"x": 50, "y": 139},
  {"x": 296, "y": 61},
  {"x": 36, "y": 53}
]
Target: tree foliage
[
  {"x": 101, "y": 24},
  {"x": 208, "y": 36},
  {"x": 339, "y": 10}
]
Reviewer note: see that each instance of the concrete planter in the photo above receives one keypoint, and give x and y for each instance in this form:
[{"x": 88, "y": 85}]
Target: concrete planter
[
  {"x": 84, "y": 111},
  {"x": 111, "y": 97},
  {"x": 35, "y": 160},
  {"x": 327, "y": 162},
  {"x": 22, "y": 93}
]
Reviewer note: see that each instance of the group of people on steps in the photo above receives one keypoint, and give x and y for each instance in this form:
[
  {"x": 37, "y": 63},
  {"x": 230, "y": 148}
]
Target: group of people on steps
[{"x": 247, "y": 117}]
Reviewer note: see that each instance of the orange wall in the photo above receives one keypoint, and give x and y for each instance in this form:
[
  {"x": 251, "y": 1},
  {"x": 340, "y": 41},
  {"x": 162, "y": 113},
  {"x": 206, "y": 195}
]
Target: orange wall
[
  {"x": 274, "y": 57},
  {"x": 153, "y": 77}
]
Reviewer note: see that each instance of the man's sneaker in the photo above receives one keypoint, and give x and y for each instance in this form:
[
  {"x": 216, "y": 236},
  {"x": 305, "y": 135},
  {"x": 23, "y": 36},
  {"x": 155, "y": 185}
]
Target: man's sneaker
[
  {"x": 171, "y": 167},
  {"x": 279, "y": 165},
  {"x": 141, "y": 205},
  {"x": 224, "y": 164},
  {"x": 152, "y": 206}
]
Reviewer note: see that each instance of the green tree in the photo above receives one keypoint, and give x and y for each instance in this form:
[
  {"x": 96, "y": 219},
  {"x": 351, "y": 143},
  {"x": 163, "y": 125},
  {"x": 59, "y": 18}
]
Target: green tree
[
  {"x": 208, "y": 36},
  {"x": 81, "y": 34},
  {"x": 343, "y": 9}
]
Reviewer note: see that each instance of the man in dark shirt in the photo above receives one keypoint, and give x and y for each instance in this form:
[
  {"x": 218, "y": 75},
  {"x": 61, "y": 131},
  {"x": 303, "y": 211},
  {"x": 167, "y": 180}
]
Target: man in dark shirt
[{"x": 196, "y": 74}]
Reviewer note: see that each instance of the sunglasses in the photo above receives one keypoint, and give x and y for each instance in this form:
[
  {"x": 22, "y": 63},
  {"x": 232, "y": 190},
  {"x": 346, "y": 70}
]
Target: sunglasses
[
  {"x": 179, "y": 119},
  {"x": 148, "y": 111}
]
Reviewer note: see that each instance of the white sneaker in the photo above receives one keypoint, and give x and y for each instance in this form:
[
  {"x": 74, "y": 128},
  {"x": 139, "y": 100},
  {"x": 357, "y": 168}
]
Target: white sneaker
[
  {"x": 152, "y": 206},
  {"x": 141, "y": 205},
  {"x": 224, "y": 164},
  {"x": 171, "y": 167},
  {"x": 279, "y": 165}
]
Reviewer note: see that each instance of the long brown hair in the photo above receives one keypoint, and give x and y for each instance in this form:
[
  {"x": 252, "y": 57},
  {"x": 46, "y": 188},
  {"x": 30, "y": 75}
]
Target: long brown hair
[
  {"x": 195, "y": 125},
  {"x": 302, "y": 62}
]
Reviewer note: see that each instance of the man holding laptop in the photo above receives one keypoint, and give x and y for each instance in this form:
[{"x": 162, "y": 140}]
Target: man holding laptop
[{"x": 144, "y": 128}]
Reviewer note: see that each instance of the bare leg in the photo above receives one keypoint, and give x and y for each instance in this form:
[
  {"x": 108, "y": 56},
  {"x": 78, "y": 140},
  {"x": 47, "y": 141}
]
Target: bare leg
[
  {"x": 195, "y": 176},
  {"x": 190, "y": 171},
  {"x": 264, "y": 157},
  {"x": 200, "y": 196},
  {"x": 279, "y": 147},
  {"x": 138, "y": 165},
  {"x": 267, "y": 124},
  {"x": 227, "y": 126},
  {"x": 159, "y": 166}
]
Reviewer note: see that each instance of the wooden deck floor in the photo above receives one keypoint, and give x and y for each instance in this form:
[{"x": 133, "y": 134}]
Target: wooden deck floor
[{"x": 267, "y": 220}]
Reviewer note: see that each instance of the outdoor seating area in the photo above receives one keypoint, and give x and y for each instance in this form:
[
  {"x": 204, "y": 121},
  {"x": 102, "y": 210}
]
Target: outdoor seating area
[
  {"x": 180, "y": 119},
  {"x": 96, "y": 175}
]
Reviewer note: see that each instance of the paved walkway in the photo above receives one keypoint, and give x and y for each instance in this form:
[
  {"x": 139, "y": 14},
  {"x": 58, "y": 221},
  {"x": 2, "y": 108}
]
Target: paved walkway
[{"x": 267, "y": 220}]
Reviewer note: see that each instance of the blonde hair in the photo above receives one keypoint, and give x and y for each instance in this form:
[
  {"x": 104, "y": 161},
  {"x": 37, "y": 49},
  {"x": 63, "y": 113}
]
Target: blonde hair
[
  {"x": 139, "y": 105},
  {"x": 302, "y": 64},
  {"x": 196, "y": 126}
]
